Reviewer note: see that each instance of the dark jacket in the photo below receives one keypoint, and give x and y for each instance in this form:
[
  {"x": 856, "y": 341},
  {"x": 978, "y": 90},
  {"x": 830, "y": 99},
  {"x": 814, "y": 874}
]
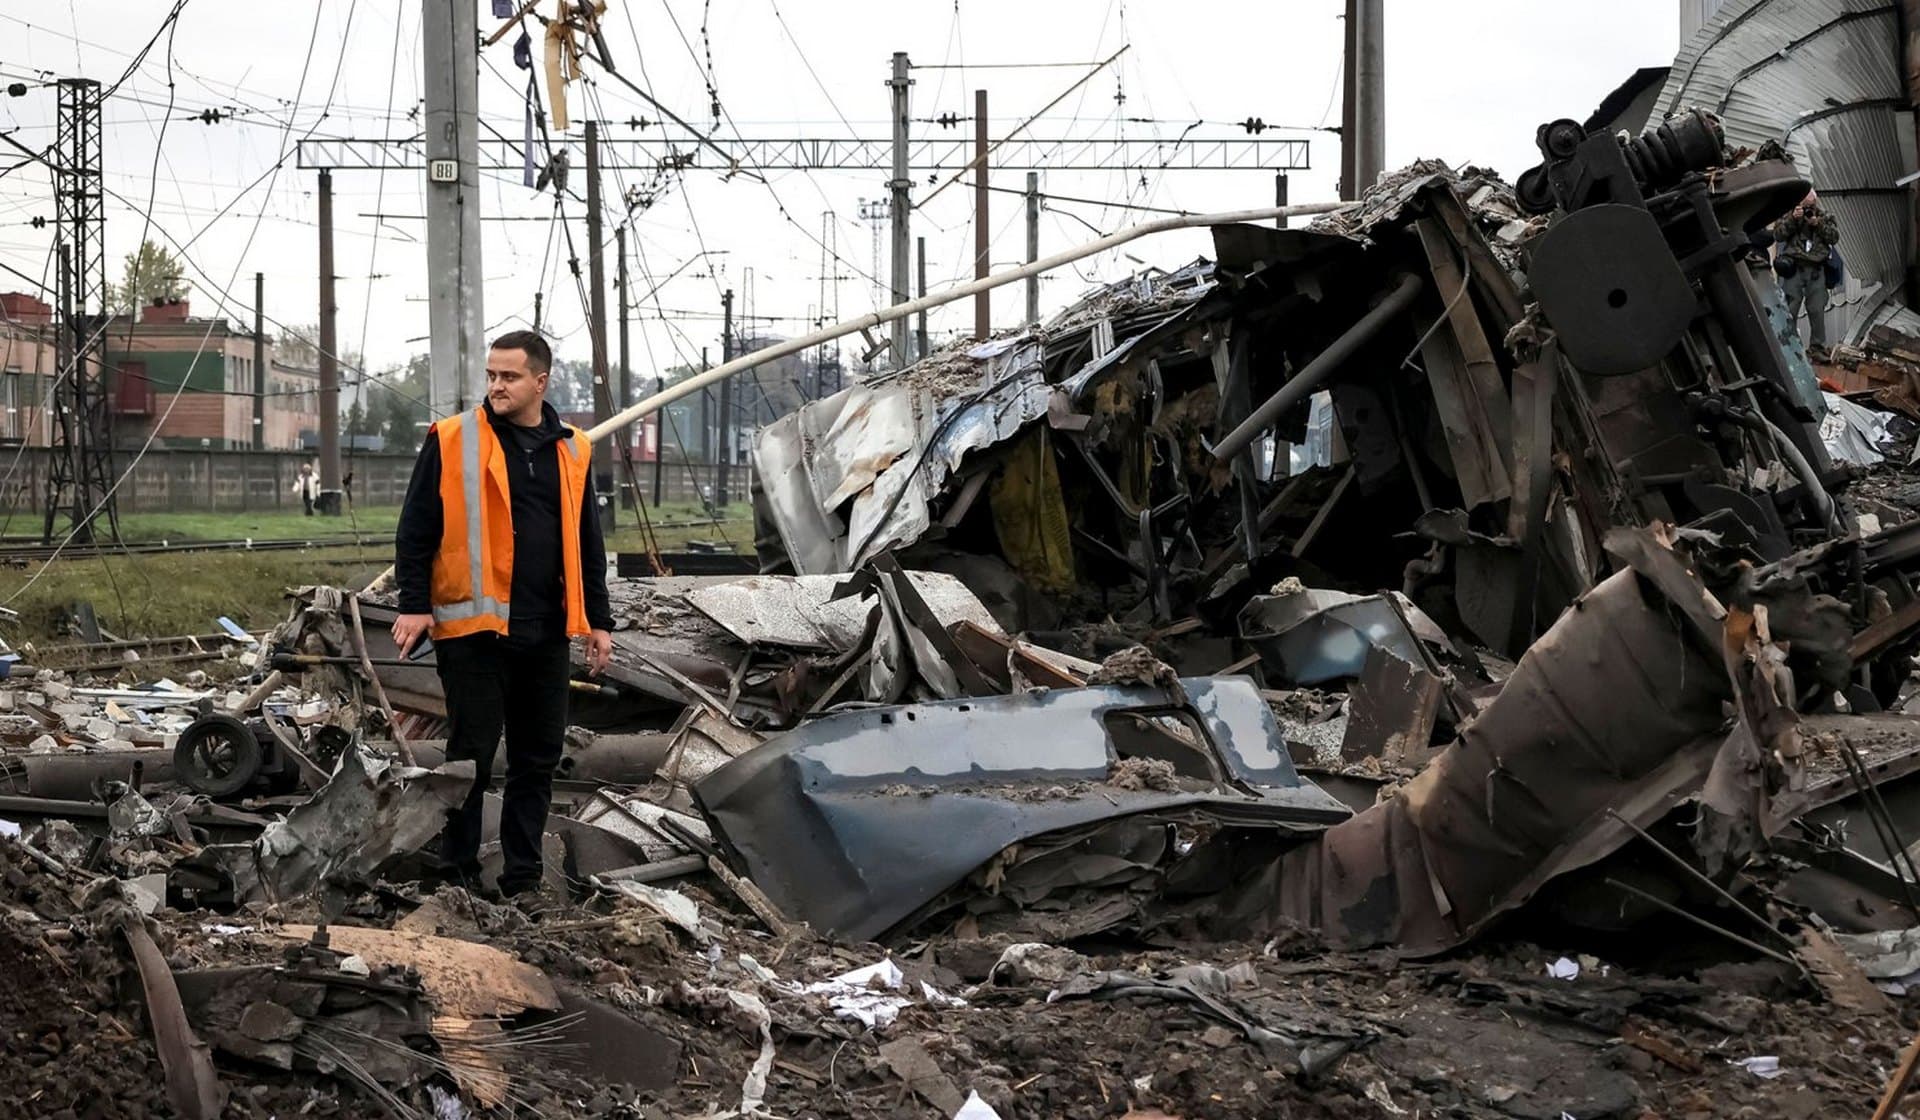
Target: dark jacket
[
  {"x": 533, "y": 483},
  {"x": 1807, "y": 239}
]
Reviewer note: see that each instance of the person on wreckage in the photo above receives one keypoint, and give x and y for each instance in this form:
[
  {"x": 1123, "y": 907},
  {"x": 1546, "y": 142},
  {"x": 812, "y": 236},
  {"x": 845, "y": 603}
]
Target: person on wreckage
[{"x": 499, "y": 558}]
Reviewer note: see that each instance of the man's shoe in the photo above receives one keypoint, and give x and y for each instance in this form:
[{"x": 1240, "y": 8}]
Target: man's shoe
[{"x": 537, "y": 901}]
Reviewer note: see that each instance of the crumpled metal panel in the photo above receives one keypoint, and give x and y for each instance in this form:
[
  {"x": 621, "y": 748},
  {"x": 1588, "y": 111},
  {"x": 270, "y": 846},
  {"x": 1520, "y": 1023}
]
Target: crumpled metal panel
[
  {"x": 854, "y": 821},
  {"x": 882, "y": 451},
  {"x": 1315, "y": 635},
  {"x": 1817, "y": 75},
  {"x": 783, "y": 458},
  {"x": 1617, "y": 706},
  {"x": 800, "y": 611}
]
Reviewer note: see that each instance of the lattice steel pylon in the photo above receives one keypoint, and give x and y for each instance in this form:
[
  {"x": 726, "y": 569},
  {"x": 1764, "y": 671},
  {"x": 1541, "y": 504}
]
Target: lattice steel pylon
[{"x": 80, "y": 462}]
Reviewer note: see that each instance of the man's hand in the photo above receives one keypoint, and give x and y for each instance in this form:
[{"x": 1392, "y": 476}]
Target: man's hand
[
  {"x": 599, "y": 652},
  {"x": 408, "y": 629}
]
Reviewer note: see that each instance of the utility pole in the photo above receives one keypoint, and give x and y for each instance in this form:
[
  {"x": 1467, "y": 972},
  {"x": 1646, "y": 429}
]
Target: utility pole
[
  {"x": 1033, "y": 245},
  {"x": 1349, "y": 131},
  {"x": 450, "y": 38},
  {"x": 626, "y": 371},
  {"x": 597, "y": 318},
  {"x": 660, "y": 437},
  {"x": 596, "y": 281},
  {"x": 536, "y": 312},
  {"x": 259, "y": 361},
  {"x": 725, "y": 458},
  {"x": 1363, "y": 123},
  {"x": 329, "y": 360},
  {"x": 982, "y": 301},
  {"x": 1280, "y": 196},
  {"x": 901, "y": 204},
  {"x": 920, "y": 349}
]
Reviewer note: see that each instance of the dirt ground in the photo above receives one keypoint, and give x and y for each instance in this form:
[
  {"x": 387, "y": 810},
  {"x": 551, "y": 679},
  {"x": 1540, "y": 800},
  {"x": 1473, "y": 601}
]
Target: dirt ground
[{"x": 1483, "y": 1035}]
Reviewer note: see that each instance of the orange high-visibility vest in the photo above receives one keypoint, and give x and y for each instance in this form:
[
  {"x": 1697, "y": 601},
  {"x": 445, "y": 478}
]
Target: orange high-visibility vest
[{"x": 473, "y": 570}]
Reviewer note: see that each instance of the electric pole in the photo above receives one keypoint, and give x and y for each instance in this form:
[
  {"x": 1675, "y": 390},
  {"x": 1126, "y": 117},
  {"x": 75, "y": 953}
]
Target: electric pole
[
  {"x": 596, "y": 281},
  {"x": 725, "y": 458},
  {"x": 901, "y": 204},
  {"x": 1033, "y": 245},
  {"x": 259, "y": 361},
  {"x": 982, "y": 301},
  {"x": 329, "y": 359},
  {"x": 1363, "y": 127},
  {"x": 626, "y": 371},
  {"x": 660, "y": 438},
  {"x": 450, "y": 39},
  {"x": 920, "y": 328}
]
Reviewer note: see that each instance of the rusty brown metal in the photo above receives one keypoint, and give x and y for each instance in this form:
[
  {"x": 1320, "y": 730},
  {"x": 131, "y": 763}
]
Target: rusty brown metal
[
  {"x": 1618, "y": 706},
  {"x": 193, "y": 1088}
]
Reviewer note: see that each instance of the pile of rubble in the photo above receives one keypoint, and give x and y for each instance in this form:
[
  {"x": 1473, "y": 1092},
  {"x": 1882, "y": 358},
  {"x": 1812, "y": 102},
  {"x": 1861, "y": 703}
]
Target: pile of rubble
[{"x": 1454, "y": 660}]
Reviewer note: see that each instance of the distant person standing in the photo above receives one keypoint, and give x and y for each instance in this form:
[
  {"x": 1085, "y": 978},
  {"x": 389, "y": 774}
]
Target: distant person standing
[
  {"x": 1804, "y": 248},
  {"x": 307, "y": 485}
]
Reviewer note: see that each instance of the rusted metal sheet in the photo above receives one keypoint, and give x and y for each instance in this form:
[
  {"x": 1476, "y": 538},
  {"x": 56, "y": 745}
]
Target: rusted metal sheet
[
  {"x": 1615, "y": 700},
  {"x": 1391, "y": 711},
  {"x": 1469, "y": 393}
]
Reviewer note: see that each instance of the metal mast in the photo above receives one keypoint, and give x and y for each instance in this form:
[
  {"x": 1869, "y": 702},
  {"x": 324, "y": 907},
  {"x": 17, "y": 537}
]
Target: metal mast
[{"x": 80, "y": 466}]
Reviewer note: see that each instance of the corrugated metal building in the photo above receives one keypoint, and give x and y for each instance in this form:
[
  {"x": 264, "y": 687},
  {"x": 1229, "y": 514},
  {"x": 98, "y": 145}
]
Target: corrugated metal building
[{"x": 1823, "y": 77}]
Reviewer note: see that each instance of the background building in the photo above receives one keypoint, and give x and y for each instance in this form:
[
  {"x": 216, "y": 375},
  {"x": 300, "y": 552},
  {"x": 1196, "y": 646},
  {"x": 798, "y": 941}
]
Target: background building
[
  {"x": 28, "y": 357},
  {"x": 209, "y": 363}
]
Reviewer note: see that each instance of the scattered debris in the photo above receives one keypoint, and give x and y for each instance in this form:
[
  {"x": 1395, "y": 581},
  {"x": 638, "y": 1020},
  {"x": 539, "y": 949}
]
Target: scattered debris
[{"x": 1271, "y": 687}]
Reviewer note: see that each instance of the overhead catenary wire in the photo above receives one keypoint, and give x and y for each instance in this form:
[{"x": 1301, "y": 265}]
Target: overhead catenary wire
[
  {"x": 174, "y": 400},
  {"x": 882, "y": 316},
  {"x": 653, "y": 292}
]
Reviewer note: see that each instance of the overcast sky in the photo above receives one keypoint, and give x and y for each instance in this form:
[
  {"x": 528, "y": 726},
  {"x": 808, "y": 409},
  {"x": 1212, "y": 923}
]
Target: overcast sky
[{"x": 1467, "y": 81}]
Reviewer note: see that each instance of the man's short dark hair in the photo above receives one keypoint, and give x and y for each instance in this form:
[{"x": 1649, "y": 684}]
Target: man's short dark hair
[{"x": 539, "y": 354}]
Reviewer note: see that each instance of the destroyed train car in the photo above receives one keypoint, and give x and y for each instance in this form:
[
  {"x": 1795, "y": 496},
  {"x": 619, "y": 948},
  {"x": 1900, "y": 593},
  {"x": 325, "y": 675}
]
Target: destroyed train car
[
  {"x": 1440, "y": 391},
  {"x": 1465, "y": 489},
  {"x": 1575, "y": 400}
]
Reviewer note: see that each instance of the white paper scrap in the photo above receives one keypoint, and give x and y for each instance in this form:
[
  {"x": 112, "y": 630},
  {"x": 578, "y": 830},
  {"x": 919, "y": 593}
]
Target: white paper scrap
[{"x": 976, "y": 1109}]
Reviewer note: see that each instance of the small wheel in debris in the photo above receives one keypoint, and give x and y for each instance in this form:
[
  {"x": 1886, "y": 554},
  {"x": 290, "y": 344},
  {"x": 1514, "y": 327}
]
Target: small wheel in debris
[{"x": 217, "y": 755}]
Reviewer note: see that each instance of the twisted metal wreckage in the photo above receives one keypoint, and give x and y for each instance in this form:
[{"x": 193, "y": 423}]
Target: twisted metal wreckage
[{"x": 1632, "y": 627}]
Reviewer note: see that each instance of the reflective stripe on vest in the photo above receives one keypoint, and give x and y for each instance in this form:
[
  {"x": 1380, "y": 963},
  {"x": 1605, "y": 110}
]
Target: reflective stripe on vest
[{"x": 478, "y": 604}]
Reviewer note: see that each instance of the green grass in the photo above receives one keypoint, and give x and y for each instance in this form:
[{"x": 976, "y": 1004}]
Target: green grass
[
  {"x": 147, "y": 595},
  {"x": 265, "y": 525},
  {"x": 379, "y": 521},
  {"x": 156, "y": 595}
]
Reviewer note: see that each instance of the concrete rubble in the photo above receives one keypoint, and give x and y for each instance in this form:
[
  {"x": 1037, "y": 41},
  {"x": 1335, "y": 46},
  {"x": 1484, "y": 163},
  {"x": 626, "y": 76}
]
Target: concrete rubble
[{"x": 1452, "y": 660}]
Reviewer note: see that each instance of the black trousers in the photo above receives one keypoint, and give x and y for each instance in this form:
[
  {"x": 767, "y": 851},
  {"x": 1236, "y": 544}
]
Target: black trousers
[{"x": 494, "y": 684}]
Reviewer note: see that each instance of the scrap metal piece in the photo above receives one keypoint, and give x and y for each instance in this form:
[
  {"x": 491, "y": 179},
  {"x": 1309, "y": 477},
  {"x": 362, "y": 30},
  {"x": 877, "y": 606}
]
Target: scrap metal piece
[
  {"x": 1392, "y": 709},
  {"x": 1618, "y": 706},
  {"x": 1324, "y": 365},
  {"x": 856, "y": 820},
  {"x": 802, "y": 612},
  {"x": 1310, "y": 635},
  {"x": 371, "y": 809},
  {"x": 193, "y": 1088},
  {"x": 473, "y": 987},
  {"x": 1611, "y": 288}
]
